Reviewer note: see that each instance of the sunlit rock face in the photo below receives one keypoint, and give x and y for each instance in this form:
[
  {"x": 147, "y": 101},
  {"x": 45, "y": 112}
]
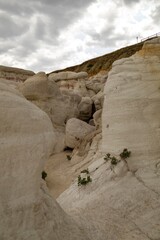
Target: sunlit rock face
[
  {"x": 131, "y": 116},
  {"x": 27, "y": 137}
]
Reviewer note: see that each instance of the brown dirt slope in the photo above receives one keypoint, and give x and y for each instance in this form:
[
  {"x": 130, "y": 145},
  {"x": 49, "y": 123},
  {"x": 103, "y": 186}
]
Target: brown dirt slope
[{"x": 95, "y": 65}]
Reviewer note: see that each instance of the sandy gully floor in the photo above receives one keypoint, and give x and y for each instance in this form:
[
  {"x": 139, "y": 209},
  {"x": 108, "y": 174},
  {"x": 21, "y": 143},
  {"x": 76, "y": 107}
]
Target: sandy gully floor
[{"x": 61, "y": 172}]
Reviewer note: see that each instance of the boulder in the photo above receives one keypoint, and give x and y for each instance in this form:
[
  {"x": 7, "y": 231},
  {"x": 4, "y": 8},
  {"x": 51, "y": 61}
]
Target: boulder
[
  {"x": 38, "y": 87},
  {"x": 80, "y": 88},
  {"x": 73, "y": 86},
  {"x": 98, "y": 100},
  {"x": 97, "y": 82},
  {"x": 76, "y": 131},
  {"x": 60, "y": 106},
  {"x": 97, "y": 118},
  {"x": 67, "y": 75},
  {"x": 26, "y": 140},
  {"x": 71, "y": 81},
  {"x": 85, "y": 109}
]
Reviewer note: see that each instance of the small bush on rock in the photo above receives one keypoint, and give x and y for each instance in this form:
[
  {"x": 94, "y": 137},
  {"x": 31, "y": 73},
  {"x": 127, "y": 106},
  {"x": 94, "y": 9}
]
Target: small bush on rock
[
  {"x": 84, "y": 179},
  {"x": 125, "y": 154},
  {"x": 69, "y": 157},
  {"x": 113, "y": 160}
]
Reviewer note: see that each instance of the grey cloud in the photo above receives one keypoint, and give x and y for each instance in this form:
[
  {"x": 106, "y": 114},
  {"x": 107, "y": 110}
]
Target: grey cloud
[
  {"x": 5, "y": 47},
  {"x": 40, "y": 29},
  {"x": 48, "y": 64},
  {"x": 18, "y": 8},
  {"x": 62, "y": 13},
  {"x": 9, "y": 27},
  {"x": 155, "y": 15},
  {"x": 59, "y": 15},
  {"x": 104, "y": 38},
  {"x": 130, "y": 2},
  {"x": 22, "y": 52},
  {"x": 49, "y": 7}
]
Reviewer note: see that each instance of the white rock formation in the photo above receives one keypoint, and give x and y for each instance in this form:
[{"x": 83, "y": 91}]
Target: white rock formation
[
  {"x": 76, "y": 130},
  {"x": 85, "y": 108},
  {"x": 71, "y": 81},
  {"x": 98, "y": 100},
  {"x": 67, "y": 75},
  {"x": 123, "y": 200},
  {"x": 26, "y": 139},
  {"x": 36, "y": 87},
  {"x": 97, "y": 118},
  {"x": 60, "y": 107},
  {"x": 132, "y": 98},
  {"x": 14, "y": 74}
]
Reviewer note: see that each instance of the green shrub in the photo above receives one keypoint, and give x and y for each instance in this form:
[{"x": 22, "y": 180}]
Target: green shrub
[
  {"x": 44, "y": 175},
  {"x": 69, "y": 157},
  {"x": 125, "y": 154},
  {"x": 114, "y": 161},
  {"x": 84, "y": 180}
]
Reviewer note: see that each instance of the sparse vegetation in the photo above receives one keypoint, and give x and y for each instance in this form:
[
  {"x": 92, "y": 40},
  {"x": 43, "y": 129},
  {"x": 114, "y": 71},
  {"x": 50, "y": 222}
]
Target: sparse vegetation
[
  {"x": 69, "y": 157},
  {"x": 93, "y": 66},
  {"x": 107, "y": 157},
  {"x": 83, "y": 180},
  {"x": 125, "y": 154},
  {"x": 113, "y": 160},
  {"x": 44, "y": 175},
  {"x": 90, "y": 65}
]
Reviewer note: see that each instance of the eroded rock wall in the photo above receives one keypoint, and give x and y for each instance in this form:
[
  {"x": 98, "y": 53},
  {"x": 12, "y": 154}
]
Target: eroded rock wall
[
  {"x": 122, "y": 201},
  {"x": 131, "y": 116},
  {"x": 14, "y": 74},
  {"x": 27, "y": 137}
]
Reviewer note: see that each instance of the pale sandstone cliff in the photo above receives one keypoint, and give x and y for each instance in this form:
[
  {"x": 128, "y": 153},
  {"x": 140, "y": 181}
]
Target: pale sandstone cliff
[
  {"x": 123, "y": 201},
  {"x": 14, "y": 74},
  {"x": 64, "y": 103},
  {"x": 131, "y": 116},
  {"x": 27, "y": 137}
]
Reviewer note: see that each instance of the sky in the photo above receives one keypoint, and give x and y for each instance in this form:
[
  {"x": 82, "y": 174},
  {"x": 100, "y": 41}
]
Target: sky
[{"x": 46, "y": 35}]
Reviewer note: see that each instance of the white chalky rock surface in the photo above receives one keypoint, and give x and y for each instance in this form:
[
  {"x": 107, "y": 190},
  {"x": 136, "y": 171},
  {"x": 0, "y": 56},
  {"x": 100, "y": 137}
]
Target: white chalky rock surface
[
  {"x": 46, "y": 94},
  {"x": 85, "y": 108},
  {"x": 123, "y": 201},
  {"x": 26, "y": 139},
  {"x": 131, "y": 116},
  {"x": 67, "y": 75},
  {"x": 77, "y": 130}
]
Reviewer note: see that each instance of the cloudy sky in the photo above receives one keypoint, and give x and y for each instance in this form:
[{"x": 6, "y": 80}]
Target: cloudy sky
[{"x": 45, "y": 35}]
